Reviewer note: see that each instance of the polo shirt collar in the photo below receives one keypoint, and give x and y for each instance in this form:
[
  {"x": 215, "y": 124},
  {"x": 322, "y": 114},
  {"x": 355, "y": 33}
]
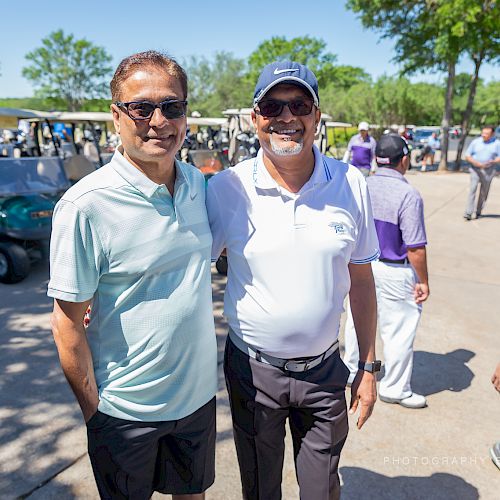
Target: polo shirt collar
[
  {"x": 490, "y": 140},
  {"x": 390, "y": 172},
  {"x": 263, "y": 180},
  {"x": 139, "y": 180},
  {"x": 321, "y": 172},
  {"x": 360, "y": 138}
]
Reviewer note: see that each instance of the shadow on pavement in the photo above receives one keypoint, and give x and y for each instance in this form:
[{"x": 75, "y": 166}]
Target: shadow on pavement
[
  {"x": 433, "y": 373},
  {"x": 41, "y": 430},
  {"x": 362, "y": 484},
  {"x": 37, "y": 409},
  {"x": 60, "y": 492}
]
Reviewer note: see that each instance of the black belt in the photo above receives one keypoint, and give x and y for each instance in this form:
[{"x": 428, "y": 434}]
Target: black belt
[
  {"x": 291, "y": 365},
  {"x": 391, "y": 261}
]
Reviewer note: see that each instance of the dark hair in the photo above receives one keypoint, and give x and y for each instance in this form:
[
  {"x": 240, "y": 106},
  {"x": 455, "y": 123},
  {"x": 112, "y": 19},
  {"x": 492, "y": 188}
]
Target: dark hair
[
  {"x": 150, "y": 58},
  {"x": 491, "y": 127}
]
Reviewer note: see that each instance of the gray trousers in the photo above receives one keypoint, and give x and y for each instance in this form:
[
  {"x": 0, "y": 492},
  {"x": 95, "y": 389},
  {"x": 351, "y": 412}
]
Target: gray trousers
[
  {"x": 262, "y": 398},
  {"x": 482, "y": 176}
]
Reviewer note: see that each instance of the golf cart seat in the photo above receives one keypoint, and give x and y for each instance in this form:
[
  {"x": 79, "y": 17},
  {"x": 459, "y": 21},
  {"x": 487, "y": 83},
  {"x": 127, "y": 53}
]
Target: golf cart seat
[{"x": 77, "y": 167}]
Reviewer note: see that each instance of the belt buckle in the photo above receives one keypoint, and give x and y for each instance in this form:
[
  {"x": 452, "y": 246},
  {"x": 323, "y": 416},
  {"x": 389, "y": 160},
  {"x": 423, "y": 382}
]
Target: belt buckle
[{"x": 305, "y": 364}]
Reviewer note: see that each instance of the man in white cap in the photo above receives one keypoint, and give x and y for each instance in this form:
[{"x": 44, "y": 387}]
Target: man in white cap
[
  {"x": 299, "y": 235},
  {"x": 362, "y": 148}
]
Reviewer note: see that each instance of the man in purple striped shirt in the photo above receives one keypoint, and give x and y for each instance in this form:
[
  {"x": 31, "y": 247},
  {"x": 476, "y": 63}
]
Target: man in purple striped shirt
[{"x": 401, "y": 277}]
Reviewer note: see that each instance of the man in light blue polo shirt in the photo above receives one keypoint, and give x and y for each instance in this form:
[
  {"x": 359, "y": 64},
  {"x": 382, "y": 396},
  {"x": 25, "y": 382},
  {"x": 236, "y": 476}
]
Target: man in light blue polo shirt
[
  {"x": 483, "y": 156},
  {"x": 133, "y": 241}
]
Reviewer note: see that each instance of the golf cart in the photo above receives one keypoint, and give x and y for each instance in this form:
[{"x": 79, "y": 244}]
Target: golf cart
[
  {"x": 29, "y": 190},
  {"x": 243, "y": 141},
  {"x": 206, "y": 147},
  {"x": 336, "y": 149},
  {"x": 89, "y": 125},
  {"x": 207, "y": 133},
  {"x": 39, "y": 139}
]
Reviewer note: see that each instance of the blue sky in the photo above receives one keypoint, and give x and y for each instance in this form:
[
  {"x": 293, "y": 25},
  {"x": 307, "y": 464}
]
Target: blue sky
[{"x": 191, "y": 28}]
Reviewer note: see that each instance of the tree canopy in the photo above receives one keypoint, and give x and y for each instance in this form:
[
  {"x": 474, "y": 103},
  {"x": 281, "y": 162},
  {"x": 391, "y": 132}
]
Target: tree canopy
[
  {"x": 223, "y": 81},
  {"x": 432, "y": 35},
  {"x": 69, "y": 70}
]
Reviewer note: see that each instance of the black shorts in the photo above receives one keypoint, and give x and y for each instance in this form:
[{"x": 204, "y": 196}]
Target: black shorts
[{"x": 133, "y": 459}]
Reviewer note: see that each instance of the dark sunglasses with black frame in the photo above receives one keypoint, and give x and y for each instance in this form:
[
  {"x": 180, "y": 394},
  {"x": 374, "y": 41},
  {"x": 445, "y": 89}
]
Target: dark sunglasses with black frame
[
  {"x": 143, "y": 110},
  {"x": 270, "y": 108}
]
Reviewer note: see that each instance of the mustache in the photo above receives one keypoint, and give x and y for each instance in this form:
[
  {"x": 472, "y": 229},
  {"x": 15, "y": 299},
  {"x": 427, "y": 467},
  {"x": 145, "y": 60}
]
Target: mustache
[{"x": 273, "y": 128}]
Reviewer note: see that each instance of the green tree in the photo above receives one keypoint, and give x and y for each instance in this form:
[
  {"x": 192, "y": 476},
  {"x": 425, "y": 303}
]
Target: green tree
[
  {"x": 487, "y": 107},
  {"x": 309, "y": 51},
  {"x": 429, "y": 103},
  {"x": 482, "y": 45},
  {"x": 217, "y": 84},
  {"x": 386, "y": 101},
  {"x": 68, "y": 70},
  {"x": 429, "y": 35},
  {"x": 344, "y": 76},
  {"x": 352, "y": 105},
  {"x": 460, "y": 93},
  {"x": 305, "y": 50}
]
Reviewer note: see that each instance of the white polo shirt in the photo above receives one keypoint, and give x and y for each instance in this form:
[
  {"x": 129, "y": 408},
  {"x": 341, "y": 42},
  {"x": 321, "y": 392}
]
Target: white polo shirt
[{"x": 288, "y": 253}]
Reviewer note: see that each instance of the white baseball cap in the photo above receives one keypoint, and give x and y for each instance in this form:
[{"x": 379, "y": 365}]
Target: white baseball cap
[{"x": 363, "y": 126}]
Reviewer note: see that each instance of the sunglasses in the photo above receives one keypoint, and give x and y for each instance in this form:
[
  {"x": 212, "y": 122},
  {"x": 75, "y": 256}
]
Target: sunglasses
[
  {"x": 143, "y": 110},
  {"x": 270, "y": 108}
]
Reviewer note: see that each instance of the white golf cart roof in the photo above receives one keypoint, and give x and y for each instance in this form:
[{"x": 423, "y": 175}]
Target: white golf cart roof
[
  {"x": 26, "y": 114},
  {"x": 331, "y": 124},
  {"x": 63, "y": 116},
  {"x": 206, "y": 122},
  {"x": 83, "y": 116},
  {"x": 237, "y": 111}
]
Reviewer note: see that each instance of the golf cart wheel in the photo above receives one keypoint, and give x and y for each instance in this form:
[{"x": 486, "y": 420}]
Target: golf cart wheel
[
  {"x": 14, "y": 262},
  {"x": 221, "y": 265}
]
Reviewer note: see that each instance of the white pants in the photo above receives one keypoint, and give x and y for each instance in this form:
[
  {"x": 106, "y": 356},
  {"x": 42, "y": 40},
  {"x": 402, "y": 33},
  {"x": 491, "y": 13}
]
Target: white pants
[{"x": 398, "y": 317}]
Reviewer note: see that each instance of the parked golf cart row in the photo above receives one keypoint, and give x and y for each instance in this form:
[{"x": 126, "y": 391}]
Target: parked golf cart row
[
  {"x": 33, "y": 176},
  {"x": 31, "y": 184},
  {"x": 29, "y": 190}
]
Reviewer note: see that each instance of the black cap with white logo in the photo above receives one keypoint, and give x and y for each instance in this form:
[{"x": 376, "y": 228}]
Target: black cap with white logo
[{"x": 390, "y": 149}]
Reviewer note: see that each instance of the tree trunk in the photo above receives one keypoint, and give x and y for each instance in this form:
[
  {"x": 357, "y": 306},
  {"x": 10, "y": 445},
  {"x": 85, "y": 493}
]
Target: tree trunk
[
  {"x": 445, "y": 124},
  {"x": 468, "y": 110}
]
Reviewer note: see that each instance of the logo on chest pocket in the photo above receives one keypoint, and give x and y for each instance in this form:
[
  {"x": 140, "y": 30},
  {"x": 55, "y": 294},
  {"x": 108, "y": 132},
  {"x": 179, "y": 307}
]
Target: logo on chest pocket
[{"x": 338, "y": 227}]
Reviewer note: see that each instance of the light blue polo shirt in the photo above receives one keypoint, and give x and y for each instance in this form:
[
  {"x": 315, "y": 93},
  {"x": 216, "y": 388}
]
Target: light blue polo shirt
[
  {"x": 143, "y": 258},
  {"x": 483, "y": 151}
]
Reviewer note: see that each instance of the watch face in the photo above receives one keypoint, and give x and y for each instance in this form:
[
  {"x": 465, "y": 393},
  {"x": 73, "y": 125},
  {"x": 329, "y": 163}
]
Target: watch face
[{"x": 370, "y": 366}]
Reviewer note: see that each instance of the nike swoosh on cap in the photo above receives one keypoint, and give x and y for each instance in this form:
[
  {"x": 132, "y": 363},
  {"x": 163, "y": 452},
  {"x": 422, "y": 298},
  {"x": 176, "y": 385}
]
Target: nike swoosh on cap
[{"x": 279, "y": 71}]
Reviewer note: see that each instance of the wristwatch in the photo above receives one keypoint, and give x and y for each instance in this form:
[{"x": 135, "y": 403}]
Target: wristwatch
[{"x": 370, "y": 366}]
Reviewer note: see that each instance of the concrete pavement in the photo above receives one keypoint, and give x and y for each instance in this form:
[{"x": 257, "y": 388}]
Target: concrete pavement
[{"x": 440, "y": 452}]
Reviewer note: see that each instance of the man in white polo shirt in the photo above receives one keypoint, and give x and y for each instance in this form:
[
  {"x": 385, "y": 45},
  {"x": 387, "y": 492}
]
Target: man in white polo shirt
[
  {"x": 132, "y": 239},
  {"x": 299, "y": 236}
]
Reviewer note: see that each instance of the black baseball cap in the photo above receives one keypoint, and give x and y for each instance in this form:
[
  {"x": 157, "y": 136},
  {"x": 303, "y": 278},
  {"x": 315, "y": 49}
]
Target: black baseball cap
[{"x": 390, "y": 149}]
